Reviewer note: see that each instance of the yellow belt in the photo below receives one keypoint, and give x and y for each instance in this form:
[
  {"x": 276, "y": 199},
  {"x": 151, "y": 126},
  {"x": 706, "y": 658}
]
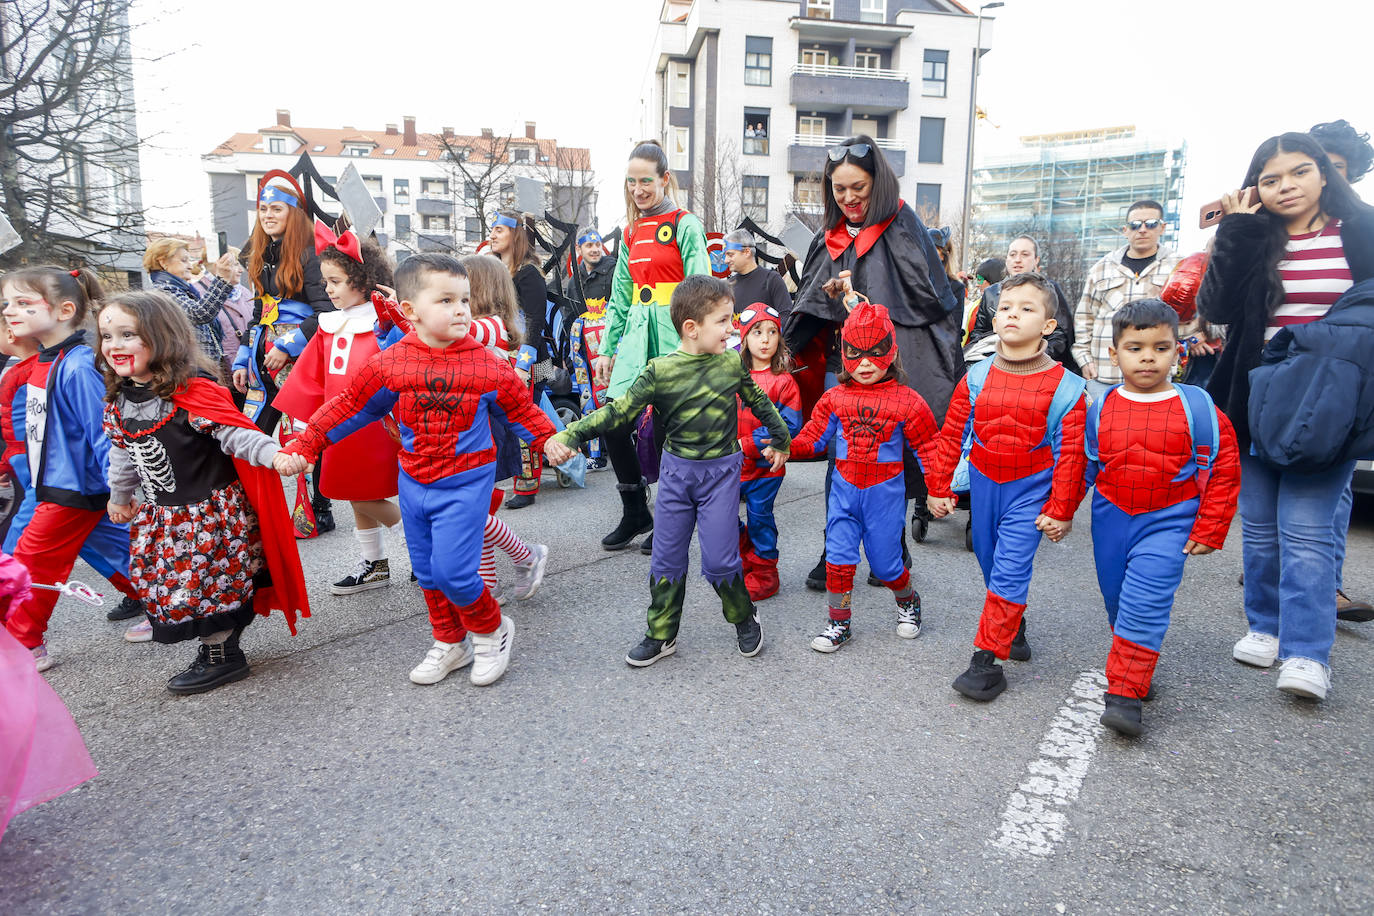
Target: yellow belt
[{"x": 654, "y": 293}]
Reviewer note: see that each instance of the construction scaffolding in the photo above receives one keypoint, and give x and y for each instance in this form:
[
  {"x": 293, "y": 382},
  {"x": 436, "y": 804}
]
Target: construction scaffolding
[{"x": 1075, "y": 188}]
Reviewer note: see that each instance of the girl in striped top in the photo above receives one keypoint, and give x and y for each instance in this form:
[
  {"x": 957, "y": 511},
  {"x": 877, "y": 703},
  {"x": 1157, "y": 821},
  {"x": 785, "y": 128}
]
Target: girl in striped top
[{"x": 1283, "y": 256}]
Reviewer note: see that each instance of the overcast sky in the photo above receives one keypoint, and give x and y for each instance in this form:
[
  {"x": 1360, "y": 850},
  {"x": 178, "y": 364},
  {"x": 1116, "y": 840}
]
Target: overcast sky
[{"x": 1221, "y": 74}]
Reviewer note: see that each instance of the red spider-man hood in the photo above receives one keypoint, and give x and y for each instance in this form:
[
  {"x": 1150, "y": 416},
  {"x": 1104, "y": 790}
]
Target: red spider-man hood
[{"x": 868, "y": 334}]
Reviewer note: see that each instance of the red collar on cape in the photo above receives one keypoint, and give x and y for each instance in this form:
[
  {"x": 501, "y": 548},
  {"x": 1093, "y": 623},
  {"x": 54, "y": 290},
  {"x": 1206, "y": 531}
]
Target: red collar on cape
[
  {"x": 263, "y": 487},
  {"x": 837, "y": 237}
]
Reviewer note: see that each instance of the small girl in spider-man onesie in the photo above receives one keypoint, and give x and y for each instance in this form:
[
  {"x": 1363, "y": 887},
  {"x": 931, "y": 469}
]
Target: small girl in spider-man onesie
[
  {"x": 872, "y": 416},
  {"x": 444, "y": 388},
  {"x": 1024, "y": 448},
  {"x": 1167, "y": 473},
  {"x": 765, "y": 356}
]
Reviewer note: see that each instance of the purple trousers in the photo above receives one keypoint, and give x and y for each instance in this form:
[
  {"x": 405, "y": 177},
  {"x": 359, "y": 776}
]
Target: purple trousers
[{"x": 702, "y": 495}]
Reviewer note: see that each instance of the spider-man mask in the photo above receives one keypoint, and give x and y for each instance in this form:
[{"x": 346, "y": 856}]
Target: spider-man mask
[{"x": 868, "y": 334}]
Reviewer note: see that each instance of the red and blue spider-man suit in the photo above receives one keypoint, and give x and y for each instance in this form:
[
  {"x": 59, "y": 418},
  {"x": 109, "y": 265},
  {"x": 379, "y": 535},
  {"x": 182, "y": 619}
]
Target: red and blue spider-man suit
[
  {"x": 1018, "y": 469},
  {"x": 444, "y": 402},
  {"x": 1143, "y": 515},
  {"x": 872, "y": 425}
]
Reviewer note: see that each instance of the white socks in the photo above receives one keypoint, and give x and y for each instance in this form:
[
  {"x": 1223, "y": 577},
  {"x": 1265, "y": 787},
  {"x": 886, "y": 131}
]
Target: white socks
[{"x": 370, "y": 540}]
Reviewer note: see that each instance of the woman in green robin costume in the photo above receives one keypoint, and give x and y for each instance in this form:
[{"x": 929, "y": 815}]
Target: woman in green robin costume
[{"x": 662, "y": 244}]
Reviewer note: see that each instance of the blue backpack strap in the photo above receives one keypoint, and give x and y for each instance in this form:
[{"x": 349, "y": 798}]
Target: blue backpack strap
[
  {"x": 976, "y": 376},
  {"x": 1204, "y": 430},
  {"x": 1066, "y": 394},
  {"x": 1093, "y": 421}
]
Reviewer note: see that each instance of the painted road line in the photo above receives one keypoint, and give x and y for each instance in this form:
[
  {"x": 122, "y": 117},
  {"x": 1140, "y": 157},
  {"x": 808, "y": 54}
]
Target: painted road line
[{"x": 1037, "y": 813}]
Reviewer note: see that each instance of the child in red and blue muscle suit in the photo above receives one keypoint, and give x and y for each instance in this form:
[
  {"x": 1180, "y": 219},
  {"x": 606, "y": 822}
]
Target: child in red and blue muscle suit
[
  {"x": 443, "y": 388},
  {"x": 1167, "y": 472},
  {"x": 766, "y": 358},
  {"x": 1024, "y": 446},
  {"x": 873, "y": 418}
]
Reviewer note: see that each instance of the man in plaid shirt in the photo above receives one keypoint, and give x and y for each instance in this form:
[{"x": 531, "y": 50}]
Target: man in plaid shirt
[{"x": 1137, "y": 270}]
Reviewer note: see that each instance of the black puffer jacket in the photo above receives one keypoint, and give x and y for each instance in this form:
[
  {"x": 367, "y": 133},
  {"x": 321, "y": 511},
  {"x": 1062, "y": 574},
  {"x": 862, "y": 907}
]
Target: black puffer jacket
[{"x": 1059, "y": 343}]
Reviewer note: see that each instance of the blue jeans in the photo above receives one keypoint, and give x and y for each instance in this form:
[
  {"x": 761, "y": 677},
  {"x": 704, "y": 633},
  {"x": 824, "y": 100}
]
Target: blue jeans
[
  {"x": 1290, "y": 554},
  {"x": 1098, "y": 390},
  {"x": 1343, "y": 530}
]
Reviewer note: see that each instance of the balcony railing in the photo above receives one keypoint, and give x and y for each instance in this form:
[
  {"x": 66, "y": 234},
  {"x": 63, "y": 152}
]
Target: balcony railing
[
  {"x": 861, "y": 72},
  {"x": 828, "y": 141}
]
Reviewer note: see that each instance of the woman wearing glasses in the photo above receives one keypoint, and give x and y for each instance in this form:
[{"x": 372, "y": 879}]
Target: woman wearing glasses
[
  {"x": 663, "y": 244},
  {"x": 873, "y": 242}
]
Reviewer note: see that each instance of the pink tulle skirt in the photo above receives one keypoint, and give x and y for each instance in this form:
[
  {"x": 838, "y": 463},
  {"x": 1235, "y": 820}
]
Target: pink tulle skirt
[{"x": 41, "y": 752}]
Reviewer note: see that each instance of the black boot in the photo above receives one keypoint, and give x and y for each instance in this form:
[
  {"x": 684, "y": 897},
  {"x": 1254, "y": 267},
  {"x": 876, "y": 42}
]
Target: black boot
[
  {"x": 635, "y": 518},
  {"x": 1122, "y": 714},
  {"x": 324, "y": 515},
  {"x": 646, "y": 546},
  {"x": 1020, "y": 649},
  {"x": 127, "y": 608},
  {"x": 214, "y": 666},
  {"x": 968, "y": 533},
  {"x": 984, "y": 678},
  {"x": 815, "y": 579},
  {"x": 520, "y": 501}
]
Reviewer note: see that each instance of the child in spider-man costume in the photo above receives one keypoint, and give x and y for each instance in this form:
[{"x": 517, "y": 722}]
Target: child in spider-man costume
[
  {"x": 765, "y": 356},
  {"x": 443, "y": 387},
  {"x": 1024, "y": 448},
  {"x": 873, "y": 417},
  {"x": 1167, "y": 472}
]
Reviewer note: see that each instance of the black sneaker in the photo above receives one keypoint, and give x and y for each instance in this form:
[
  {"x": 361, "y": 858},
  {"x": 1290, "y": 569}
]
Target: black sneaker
[
  {"x": 127, "y": 608},
  {"x": 214, "y": 666},
  {"x": 1122, "y": 714},
  {"x": 520, "y": 501},
  {"x": 984, "y": 678},
  {"x": 367, "y": 575},
  {"x": 815, "y": 579},
  {"x": 750, "y": 635},
  {"x": 650, "y": 650},
  {"x": 1020, "y": 649}
]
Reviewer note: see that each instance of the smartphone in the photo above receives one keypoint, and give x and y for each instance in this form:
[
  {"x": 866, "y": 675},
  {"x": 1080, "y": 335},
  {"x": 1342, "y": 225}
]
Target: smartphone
[
  {"x": 222, "y": 239},
  {"x": 1211, "y": 212}
]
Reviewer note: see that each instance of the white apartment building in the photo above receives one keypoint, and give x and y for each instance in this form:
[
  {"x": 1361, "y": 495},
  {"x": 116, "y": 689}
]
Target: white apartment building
[
  {"x": 747, "y": 95},
  {"x": 429, "y": 202}
]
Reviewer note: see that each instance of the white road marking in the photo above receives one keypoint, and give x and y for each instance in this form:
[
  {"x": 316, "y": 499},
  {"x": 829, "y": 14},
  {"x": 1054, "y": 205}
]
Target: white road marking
[{"x": 1036, "y": 816}]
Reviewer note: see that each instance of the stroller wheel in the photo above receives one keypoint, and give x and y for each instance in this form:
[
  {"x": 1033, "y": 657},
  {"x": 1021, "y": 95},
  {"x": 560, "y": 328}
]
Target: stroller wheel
[{"x": 564, "y": 480}]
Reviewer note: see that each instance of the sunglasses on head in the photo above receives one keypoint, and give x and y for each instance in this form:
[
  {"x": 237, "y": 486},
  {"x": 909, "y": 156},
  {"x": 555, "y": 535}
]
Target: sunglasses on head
[
  {"x": 1137, "y": 224},
  {"x": 858, "y": 151}
]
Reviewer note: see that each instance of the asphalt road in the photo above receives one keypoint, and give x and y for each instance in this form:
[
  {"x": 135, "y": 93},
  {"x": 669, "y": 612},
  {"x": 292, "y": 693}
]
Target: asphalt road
[{"x": 708, "y": 783}]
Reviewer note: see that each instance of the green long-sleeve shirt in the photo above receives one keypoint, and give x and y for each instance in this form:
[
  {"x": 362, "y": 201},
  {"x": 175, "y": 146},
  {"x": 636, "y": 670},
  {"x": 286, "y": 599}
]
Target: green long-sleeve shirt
[{"x": 693, "y": 396}]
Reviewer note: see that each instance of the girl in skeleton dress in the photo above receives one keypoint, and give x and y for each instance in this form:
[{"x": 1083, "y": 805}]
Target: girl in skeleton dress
[{"x": 212, "y": 539}]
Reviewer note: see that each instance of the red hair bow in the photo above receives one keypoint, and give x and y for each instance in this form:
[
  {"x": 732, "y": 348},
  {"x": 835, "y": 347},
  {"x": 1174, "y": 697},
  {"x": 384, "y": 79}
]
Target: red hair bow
[{"x": 347, "y": 241}]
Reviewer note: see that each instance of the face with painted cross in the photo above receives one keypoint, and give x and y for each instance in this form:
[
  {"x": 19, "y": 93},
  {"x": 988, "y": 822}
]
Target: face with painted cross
[{"x": 868, "y": 343}]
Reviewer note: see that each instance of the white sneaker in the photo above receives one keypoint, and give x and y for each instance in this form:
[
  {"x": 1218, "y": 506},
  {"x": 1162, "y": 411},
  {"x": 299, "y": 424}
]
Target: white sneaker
[
  {"x": 442, "y": 659},
  {"x": 492, "y": 653},
  {"x": 1258, "y": 649},
  {"x": 498, "y": 592},
  {"x": 41, "y": 659},
  {"x": 529, "y": 574},
  {"x": 1305, "y": 677},
  {"x": 140, "y": 632}
]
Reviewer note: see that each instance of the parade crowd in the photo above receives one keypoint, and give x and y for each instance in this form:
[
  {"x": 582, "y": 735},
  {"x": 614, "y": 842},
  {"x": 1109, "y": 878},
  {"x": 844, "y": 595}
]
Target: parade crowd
[{"x": 148, "y": 432}]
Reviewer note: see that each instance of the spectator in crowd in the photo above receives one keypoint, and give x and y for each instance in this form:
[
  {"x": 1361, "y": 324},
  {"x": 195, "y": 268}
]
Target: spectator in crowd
[
  {"x": 750, "y": 282},
  {"x": 169, "y": 265}
]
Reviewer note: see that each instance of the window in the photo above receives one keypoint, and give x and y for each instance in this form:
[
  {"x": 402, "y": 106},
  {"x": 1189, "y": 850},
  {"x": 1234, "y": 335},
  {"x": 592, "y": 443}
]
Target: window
[
  {"x": 680, "y": 84},
  {"x": 373, "y": 183},
  {"x": 520, "y": 155},
  {"x": 680, "y": 149},
  {"x": 820, "y": 9},
  {"x": 389, "y": 151},
  {"x": 317, "y": 149},
  {"x": 276, "y": 144},
  {"x": 928, "y": 203},
  {"x": 808, "y": 194},
  {"x": 754, "y": 197},
  {"x": 400, "y": 191},
  {"x": 932, "y": 148},
  {"x": 358, "y": 151},
  {"x": 422, "y": 152},
  {"x": 469, "y": 191},
  {"x": 434, "y": 186},
  {"x": 439, "y": 222},
  {"x": 755, "y": 132},
  {"x": 472, "y": 229},
  {"x": 865, "y": 126},
  {"x": 814, "y": 57},
  {"x": 506, "y": 194},
  {"x": 868, "y": 60},
  {"x": 758, "y": 61},
  {"x": 402, "y": 226},
  {"x": 934, "y": 72},
  {"x": 811, "y": 127},
  {"x": 873, "y": 10}
]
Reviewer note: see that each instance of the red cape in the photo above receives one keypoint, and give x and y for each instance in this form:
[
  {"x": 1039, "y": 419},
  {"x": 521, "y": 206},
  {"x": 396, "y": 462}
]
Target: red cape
[
  {"x": 837, "y": 238},
  {"x": 204, "y": 398}
]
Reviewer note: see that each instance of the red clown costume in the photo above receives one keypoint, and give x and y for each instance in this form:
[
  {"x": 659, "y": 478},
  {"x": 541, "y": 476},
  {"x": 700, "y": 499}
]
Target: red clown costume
[{"x": 873, "y": 425}]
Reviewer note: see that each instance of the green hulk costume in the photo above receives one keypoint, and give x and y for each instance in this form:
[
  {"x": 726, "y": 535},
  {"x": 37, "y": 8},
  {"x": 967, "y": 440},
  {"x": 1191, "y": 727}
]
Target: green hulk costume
[{"x": 694, "y": 397}]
